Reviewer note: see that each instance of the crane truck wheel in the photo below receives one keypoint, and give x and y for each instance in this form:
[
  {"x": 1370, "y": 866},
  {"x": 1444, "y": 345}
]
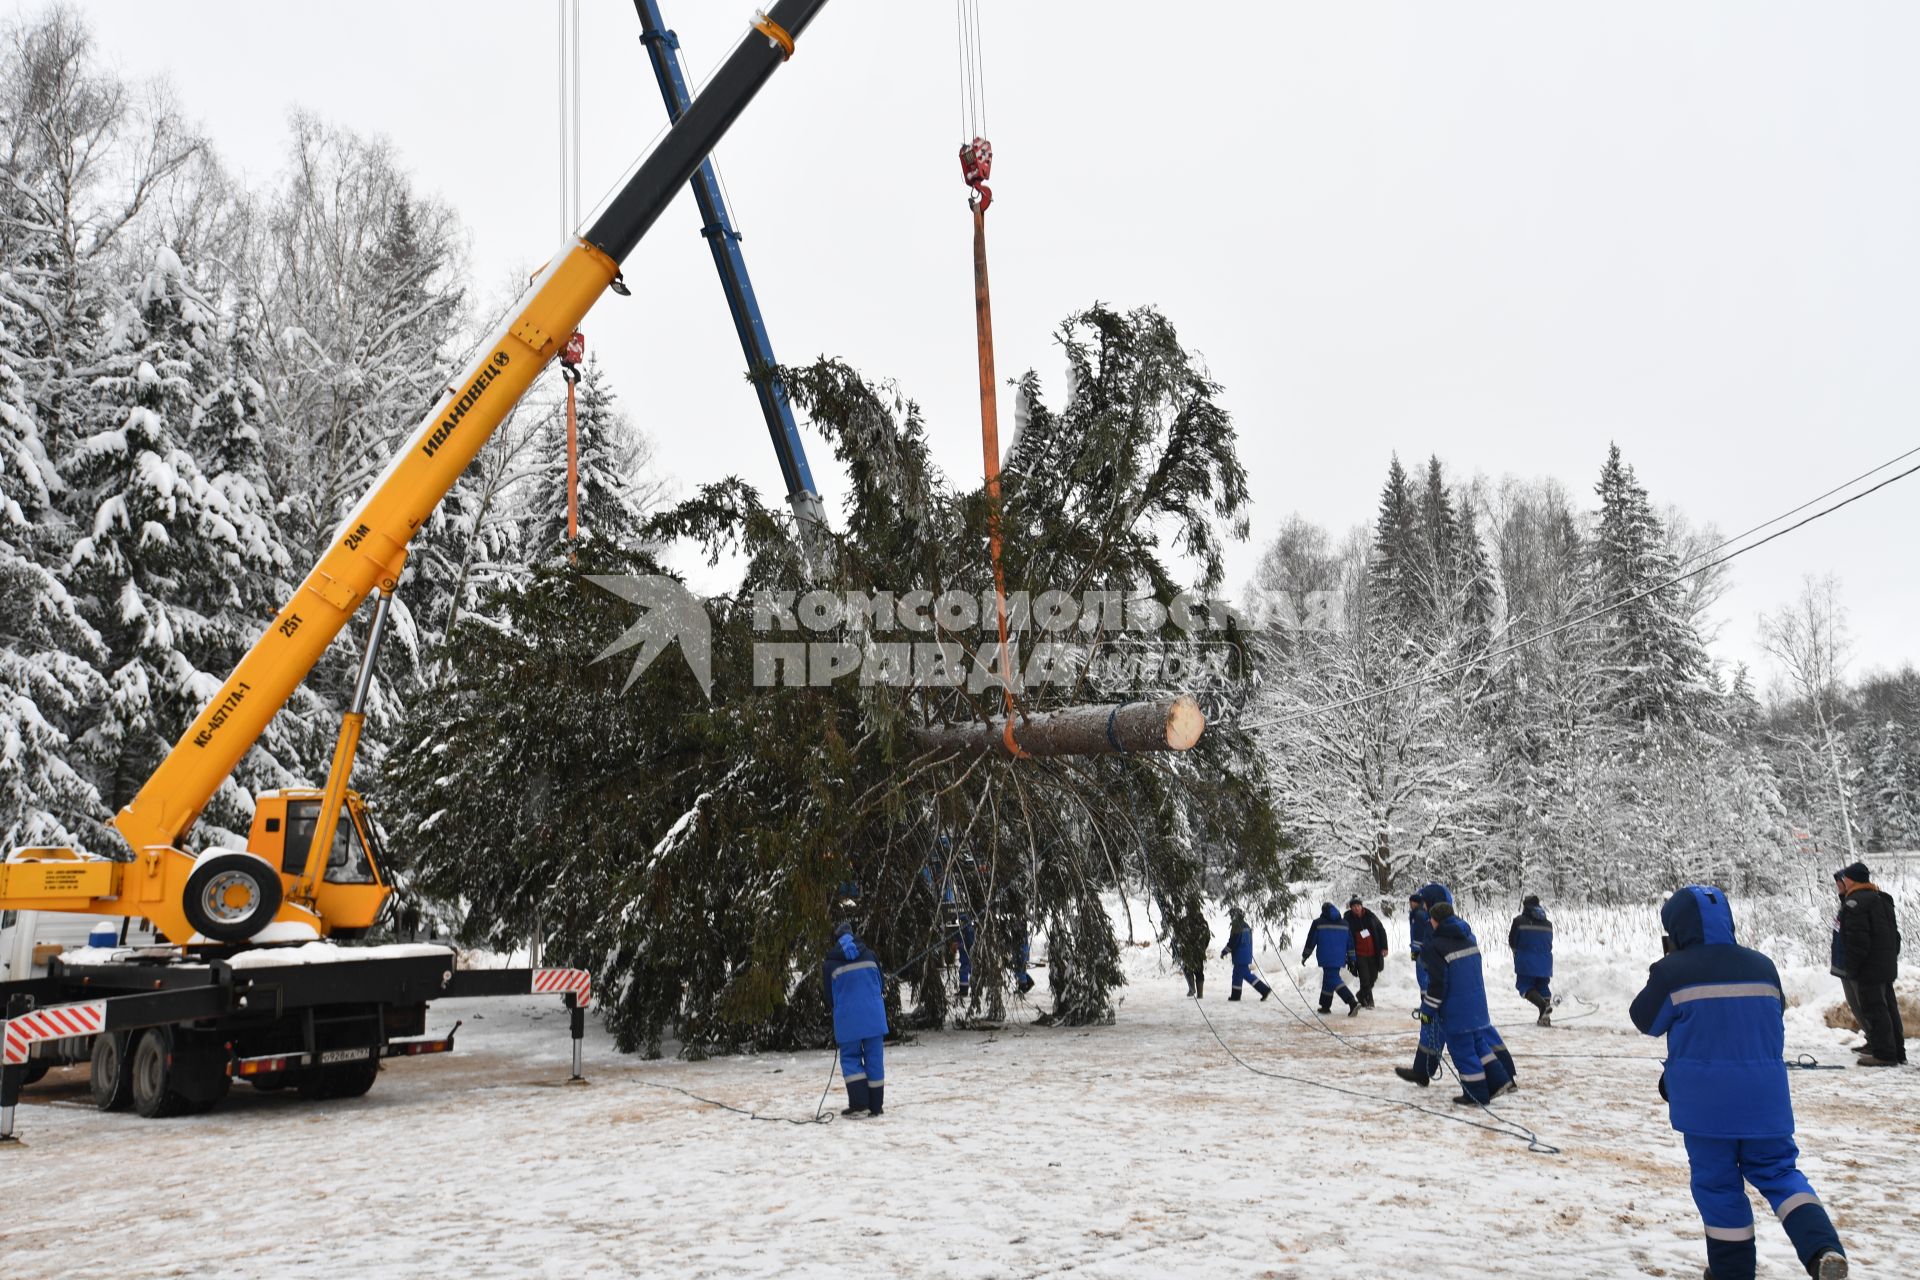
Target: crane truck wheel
[
  {"x": 109, "y": 1080},
  {"x": 231, "y": 896},
  {"x": 154, "y": 1084},
  {"x": 340, "y": 1080}
]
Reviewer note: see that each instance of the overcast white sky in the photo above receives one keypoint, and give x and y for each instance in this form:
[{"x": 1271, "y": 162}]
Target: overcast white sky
[{"x": 1503, "y": 232}]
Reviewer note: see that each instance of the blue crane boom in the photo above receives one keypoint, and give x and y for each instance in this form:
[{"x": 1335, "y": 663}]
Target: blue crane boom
[{"x": 663, "y": 50}]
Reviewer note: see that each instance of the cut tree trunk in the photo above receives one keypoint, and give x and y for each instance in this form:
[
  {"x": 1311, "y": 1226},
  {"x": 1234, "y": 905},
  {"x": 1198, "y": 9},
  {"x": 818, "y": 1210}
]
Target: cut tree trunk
[{"x": 1160, "y": 724}]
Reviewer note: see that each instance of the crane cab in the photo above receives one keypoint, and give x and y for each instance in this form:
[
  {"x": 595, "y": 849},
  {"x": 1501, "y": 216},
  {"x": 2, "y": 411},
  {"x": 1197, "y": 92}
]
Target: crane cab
[{"x": 352, "y": 886}]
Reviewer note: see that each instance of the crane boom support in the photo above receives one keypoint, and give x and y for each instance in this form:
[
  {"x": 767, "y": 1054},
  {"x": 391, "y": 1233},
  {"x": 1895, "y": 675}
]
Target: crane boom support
[
  {"x": 370, "y": 546},
  {"x": 716, "y": 224}
]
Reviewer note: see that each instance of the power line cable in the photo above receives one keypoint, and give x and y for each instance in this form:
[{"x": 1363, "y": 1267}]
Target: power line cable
[
  {"x": 1500, "y": 1124},
  {"x": 820, "y": 1113}
]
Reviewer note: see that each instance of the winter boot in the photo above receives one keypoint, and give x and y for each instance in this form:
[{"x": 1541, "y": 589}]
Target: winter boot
[
  {"x": 1189, "y": 986},
  {"x": 1505, "y": 1059},
  {"x": 1200, "y": 984},
  {"x": 1353, "y": 1005},
  {"x": 1546, "y": 1015},
  {"x": 859, "y": 1097},
  {"x": 1411, "y": 1076},
  {"x": 1508, "y": 1087},
  {"x": 1235, "y": 995},
  {"x": 1026, "y": 983},
  {"x": 1829, "y": 1266},
  {"x": 1326, "y": 1003},
  {"x": 878, "y": 1094},
  {"x": 1263, "y": 989}
]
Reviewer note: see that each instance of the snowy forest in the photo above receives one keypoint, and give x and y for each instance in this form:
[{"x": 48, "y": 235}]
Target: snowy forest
[
  {"x": 1541, "y": 707},
  {"x": 198, "y": 378}
]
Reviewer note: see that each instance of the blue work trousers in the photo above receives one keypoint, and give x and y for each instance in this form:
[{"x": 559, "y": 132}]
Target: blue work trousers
[
  {"x": 1720, "y": 1166},
  {"x": 864, "y": 1060}
]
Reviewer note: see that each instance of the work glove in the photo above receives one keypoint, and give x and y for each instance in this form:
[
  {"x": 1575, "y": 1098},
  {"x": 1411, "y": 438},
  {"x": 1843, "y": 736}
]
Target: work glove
[
  {"x": 1422, "y": 1017},
  {"x": 848, "y": 947}
]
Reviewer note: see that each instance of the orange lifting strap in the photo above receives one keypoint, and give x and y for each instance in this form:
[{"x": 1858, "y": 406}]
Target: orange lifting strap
[
  {"x": 976, "y": 164},
  {"x": 570, "y": 357}
]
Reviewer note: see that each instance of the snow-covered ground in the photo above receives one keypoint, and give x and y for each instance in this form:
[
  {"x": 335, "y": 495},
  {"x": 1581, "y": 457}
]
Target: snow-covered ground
[{"x": 1139, "y": 1149}]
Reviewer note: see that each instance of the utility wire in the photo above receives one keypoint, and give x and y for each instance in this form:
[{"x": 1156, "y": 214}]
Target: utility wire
[
  {"x": 820, "y": 1113},
  {"x": 1310, "y": 712},
  {"x": 1501, "y": 1125},
  {"x": 1803, "y": 506}
]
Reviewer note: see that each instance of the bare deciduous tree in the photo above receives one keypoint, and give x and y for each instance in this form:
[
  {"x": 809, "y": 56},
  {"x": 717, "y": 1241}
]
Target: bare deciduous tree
[{"x": 1808, "y": 638}]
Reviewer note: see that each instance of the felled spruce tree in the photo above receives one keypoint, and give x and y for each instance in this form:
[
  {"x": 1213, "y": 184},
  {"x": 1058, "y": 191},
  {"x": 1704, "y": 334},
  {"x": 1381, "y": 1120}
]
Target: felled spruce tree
[{"x": 692, "y": 846}]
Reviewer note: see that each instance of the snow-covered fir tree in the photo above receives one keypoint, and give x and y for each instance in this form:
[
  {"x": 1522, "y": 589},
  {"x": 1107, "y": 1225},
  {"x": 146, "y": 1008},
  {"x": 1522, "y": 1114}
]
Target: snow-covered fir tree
[
  {"x": 48, "y": 653},
  {"x": 1653, "y": 655},
  {"x": 154, "y": 570}
]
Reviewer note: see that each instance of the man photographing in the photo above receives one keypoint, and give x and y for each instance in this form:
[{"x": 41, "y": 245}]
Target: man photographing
[{"x": 1870, "y": 941}]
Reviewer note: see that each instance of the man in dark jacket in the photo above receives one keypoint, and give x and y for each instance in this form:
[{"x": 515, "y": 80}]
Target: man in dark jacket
[
  {"x": 1240, "y": 947},
  {"x": 856, "y": 998},
  {"x": 1191, "y": 939},
  {"x": 1870, "y": 936},
  {"x": 1530, "y": 939},
  {"x": 1837, "y": 963},
  {"x": 1454, "y": 1004},
  {"x": 1369, "y": 948},
  {"x": 1330, "y": 942},
  {"x": 1719, "y": 1004}
]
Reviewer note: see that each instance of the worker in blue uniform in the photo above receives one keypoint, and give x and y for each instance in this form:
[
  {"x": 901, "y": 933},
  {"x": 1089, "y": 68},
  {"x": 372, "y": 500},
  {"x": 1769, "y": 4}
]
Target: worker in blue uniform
[
  {"x": 1240, "y": 947},
  {"x": 1720, "y": 1007},
  {"x": 1455, "y": 1001},
  {"x": 1330, "y": 943},
  {"x": 1530, "y": 938},
  {"x": 1426, "y": 1054},
  {"x": 856, "y": 998}
]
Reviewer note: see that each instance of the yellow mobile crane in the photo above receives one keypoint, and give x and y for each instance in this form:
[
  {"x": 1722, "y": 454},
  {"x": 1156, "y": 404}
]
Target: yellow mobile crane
[
  {"x": 167, "y": 1029},
  {"x": 312, "y": 857}
]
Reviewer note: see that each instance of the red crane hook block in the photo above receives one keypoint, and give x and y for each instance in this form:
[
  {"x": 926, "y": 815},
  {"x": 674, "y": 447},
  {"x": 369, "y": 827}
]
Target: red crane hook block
[{"x": 976, "y": 165}]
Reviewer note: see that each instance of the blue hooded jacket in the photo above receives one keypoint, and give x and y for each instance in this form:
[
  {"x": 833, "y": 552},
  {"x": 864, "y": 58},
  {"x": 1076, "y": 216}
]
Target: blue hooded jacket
[
  {"x": 1456, "y": 994},
  {"x": 855, "y": 992},
  {"x": 1531, "y": 937},
  {"x": 1330, "y": 937},
  {"x": 1719, "y": 1004},
  {"x": 1240, "y": 943}
]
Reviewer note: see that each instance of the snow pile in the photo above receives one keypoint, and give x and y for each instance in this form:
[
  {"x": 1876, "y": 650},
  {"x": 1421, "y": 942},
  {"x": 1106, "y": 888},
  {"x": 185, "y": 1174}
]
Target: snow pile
[{"x": 333, "y": 953}]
